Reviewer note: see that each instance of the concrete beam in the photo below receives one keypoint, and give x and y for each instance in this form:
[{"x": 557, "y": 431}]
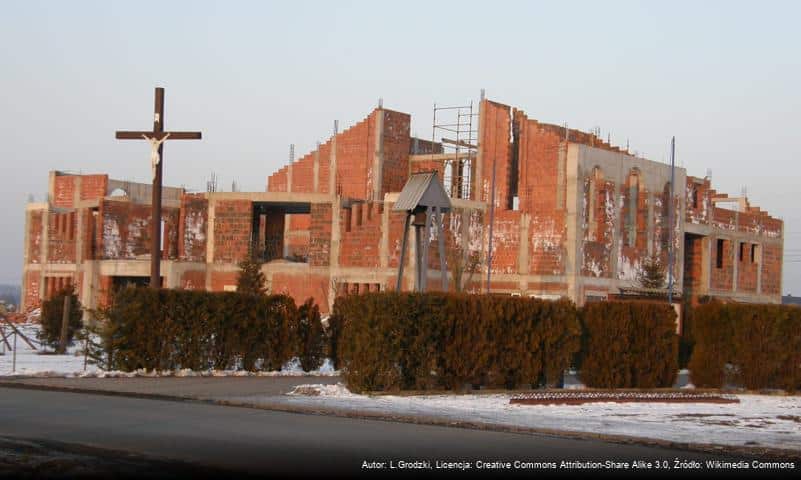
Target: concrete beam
[
  {"x": 438, "y": 157},
  {"x": 278, "y": 197}
]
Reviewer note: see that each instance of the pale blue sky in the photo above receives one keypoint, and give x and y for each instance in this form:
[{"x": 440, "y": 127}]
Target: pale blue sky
[{"x": 722, "y": 77}]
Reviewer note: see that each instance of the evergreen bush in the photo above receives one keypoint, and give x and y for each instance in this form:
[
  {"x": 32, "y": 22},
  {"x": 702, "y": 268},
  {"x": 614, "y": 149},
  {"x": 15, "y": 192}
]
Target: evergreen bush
[
  {"x": 749, "y": 345},
  {"x": 395, "y": 341},
  {"x": 171, "y": 329},
  {"x": 310, "y": 336},
  {"x": 53, "y": 315},
  {"x": 629, "y": 345}
]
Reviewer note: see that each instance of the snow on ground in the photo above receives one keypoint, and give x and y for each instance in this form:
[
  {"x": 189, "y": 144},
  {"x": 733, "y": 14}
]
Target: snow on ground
[
  {"x": 757, "y": 421},
  {"x": 34, "y": 363}
]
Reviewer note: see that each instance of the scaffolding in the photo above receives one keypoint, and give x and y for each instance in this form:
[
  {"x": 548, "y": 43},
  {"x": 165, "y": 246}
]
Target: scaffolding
[{"x": 458, "y": 137}]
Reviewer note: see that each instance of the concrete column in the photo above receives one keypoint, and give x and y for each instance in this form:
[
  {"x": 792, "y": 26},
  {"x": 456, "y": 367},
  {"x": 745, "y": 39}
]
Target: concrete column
[
  {"x": 289, "y": 178},
  {"x": 51, "y": 188},
  {"x": 478, "y": 180},
  {"x": 287, "y": 221},
  {"x": 573, "y": 205},
  {"x": 758, "y": 259},
  {"x": 706, "y": 265},
  {"x": 336, "y": 232},
  {"x": 45, "y": 244},
  {"x": 378, "y": 158}
]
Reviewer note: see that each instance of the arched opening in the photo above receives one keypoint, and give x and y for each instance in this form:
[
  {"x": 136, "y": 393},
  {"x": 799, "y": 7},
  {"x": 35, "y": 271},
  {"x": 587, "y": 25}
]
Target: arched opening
[
  {"x": 633, "y": 184},
  {"x": 594, "y": 200}
]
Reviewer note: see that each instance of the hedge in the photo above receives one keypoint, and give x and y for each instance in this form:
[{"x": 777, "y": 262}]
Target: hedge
[
  {"x": 171, "y": 329},
  {"x": 749, "y": 345},
  {"x": 629, "y": 345},
  {"x": 393, "y": 341}
]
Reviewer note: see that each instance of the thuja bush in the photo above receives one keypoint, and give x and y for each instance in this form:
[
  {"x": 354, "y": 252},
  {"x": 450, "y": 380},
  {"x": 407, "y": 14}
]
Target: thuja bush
[
  {"x": 310, "y": 335},
  {"x": 393, "y": 341},
  {"x": 53, "y": 317},
  {"x": 628, "y": 345},
  {"x": 171, "y": 329},
  {"x": 749, "y": 345}
]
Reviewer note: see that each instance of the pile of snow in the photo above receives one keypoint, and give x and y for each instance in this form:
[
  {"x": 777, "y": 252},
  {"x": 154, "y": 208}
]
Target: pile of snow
[{"x": 320, "y": 390}]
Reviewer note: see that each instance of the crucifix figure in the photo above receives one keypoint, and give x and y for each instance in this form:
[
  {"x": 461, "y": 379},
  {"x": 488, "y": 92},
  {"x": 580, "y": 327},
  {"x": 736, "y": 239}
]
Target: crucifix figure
[
  {"x": 155, "y": 157},
  {"x": 156, "y": 138}
]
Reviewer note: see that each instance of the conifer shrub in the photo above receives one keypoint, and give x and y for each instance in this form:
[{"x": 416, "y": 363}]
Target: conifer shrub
[
  {"x": 173, "y": 329},
  {"x": 310, "y": 335},
  {"x": 628, "y": 345},
  {"x": 401, "y": 341},
  {"x": 53, "y": 317},
  {"x": 749, "y": 345},
  {"x": 686, "y": 338}
]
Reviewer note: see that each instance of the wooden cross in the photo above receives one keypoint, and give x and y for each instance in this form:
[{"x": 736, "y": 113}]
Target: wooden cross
[{"x": 157, "y": 137}]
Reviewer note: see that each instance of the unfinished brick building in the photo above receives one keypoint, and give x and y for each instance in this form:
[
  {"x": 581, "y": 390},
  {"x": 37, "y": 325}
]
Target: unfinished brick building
[{"x": 572, "y": 216}]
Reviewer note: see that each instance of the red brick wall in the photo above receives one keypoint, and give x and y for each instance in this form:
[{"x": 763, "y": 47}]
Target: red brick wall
[
  {"x": 355, "y": 153},
  {"x": 232, "y": 230},
  {"x": 693, "y": 261},
  {"x": 505, "y": 241},
  {"x": 698, "y": 211},
  {"x": 35, "y": 228},
  {"x": 539, "y": 188},
  {"x": 62, "y": 235},
  {"x": 597, "y": 248},
  {"x": 396, "y": 222},
  {"x": 105, "y": 286},
  {"x": 220, "y": 279},
  {"x": 746, "y": 270},
  {"x": 193, "y": 228},
  {"x": 301, "y": 287},
  {"x": 55, "y": 284},
  {"x": 64, "y": 191},
  {"x": 325, "y": 167},
  {"x": 169, "y": 242},
  {"x": 193, "y": 280},
  {"x": 320, "y": 235},
  {"x": 494, "y": 134},
  {"x": 303, "y": 174},
  {"x": 277, "y": 182},
  {"x": 771, "y": 269},
  {"x": 722, "y": 278},
  {"x": 428, "y": 166},
  {"x": 31, "y": 300},
  {"x": 93, "y": 187},
  {"x": 125, "y": 232},
  {"x": 361, "y": 235},
  {"x": 396, "y": 151},
  {"x": 724, "y": 219},
  {"x": 89, "y": 229}
]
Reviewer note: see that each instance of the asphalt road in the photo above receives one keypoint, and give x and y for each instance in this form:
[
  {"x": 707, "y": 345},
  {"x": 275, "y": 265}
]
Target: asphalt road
[{"x": 259, "y": 441}]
